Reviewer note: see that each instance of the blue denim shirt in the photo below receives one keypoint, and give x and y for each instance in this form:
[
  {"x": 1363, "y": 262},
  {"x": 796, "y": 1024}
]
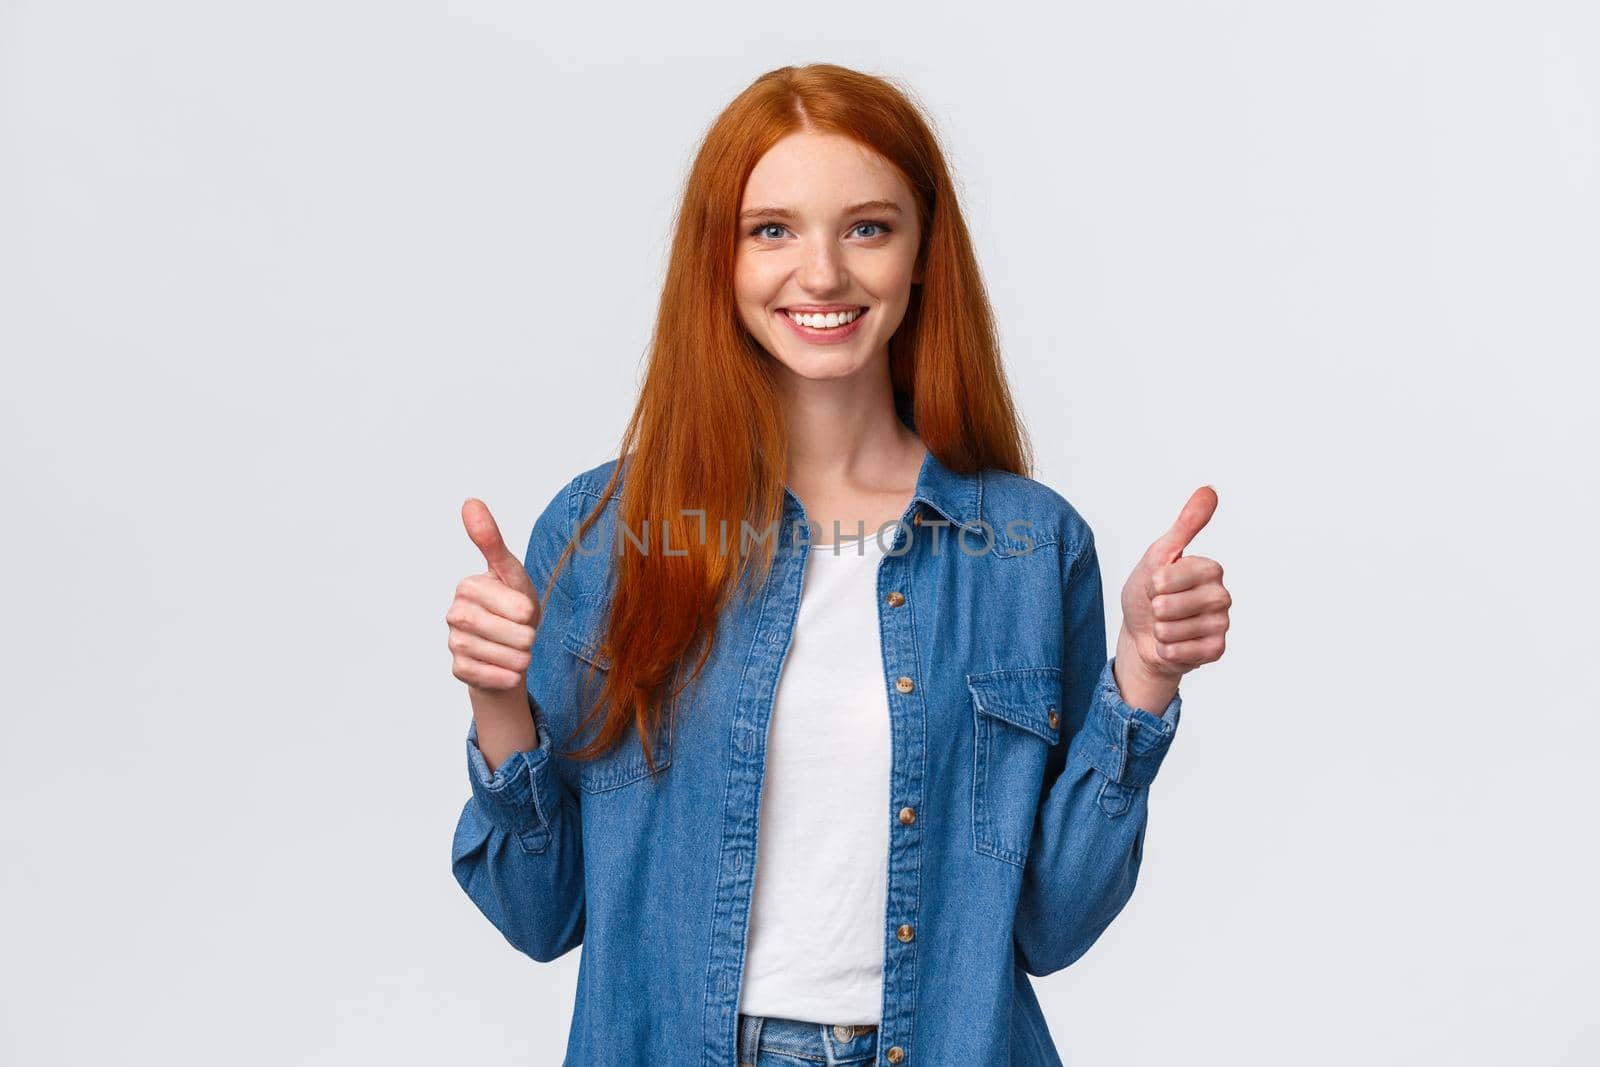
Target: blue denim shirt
[{"x": 1018, "y": 787}]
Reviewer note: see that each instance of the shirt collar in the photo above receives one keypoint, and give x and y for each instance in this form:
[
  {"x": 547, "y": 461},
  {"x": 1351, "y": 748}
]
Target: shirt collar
[{"x": 956, "y": 496}]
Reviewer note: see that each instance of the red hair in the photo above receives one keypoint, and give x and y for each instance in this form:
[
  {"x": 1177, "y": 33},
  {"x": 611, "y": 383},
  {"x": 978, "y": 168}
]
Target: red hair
[{"x": 708, "y": 430}]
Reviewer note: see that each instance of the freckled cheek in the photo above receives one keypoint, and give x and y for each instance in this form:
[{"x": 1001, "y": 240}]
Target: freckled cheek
[
  {"x": 754, "y": 288},
  {"x": 750, "y": 302},
  {"x": 885, "y": 280}
]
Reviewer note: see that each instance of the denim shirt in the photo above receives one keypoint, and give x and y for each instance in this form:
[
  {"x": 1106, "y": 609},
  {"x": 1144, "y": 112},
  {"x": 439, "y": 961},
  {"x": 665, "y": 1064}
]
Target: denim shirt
[{"x": 1018, "y": 786}]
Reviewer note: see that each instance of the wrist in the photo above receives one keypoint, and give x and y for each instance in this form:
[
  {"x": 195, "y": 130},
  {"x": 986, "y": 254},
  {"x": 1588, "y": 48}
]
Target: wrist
[
  {"x": 505, "y": 723},
  {"x": 1139, "y": 686}
]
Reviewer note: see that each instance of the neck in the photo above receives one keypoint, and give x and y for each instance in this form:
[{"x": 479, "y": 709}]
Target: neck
[{"x": 846, "y": 430}]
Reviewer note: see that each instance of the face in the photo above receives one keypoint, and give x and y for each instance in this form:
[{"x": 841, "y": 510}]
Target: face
[{"x": 827, "y": 228}]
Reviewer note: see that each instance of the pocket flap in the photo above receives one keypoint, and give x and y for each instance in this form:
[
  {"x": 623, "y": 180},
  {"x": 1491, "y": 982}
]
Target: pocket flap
[
  {"x": 1026, "y": 697},
  {"x": 583, "y": 638}
]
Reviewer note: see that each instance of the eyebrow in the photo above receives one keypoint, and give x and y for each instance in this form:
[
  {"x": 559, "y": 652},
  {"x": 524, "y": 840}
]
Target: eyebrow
[{"x": 787, "y": 213}]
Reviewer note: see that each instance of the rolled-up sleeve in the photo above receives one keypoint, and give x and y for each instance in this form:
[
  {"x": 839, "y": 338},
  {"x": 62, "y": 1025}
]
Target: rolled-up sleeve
[
  {"x": 519, "y": 797},
  {"x": 1124, "y": 743}
]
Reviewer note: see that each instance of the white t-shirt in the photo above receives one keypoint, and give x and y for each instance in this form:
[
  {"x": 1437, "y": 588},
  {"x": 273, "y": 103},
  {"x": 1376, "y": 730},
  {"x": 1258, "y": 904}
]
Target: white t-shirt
[{"x": 816, "y": 941}]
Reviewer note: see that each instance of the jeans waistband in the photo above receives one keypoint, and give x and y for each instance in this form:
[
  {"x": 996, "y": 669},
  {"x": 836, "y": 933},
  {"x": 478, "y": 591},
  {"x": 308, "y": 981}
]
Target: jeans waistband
[{"x": 822, "y": 1043}]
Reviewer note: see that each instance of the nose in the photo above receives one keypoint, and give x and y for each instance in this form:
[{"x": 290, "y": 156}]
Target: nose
[{"x": 822, "y": 273}]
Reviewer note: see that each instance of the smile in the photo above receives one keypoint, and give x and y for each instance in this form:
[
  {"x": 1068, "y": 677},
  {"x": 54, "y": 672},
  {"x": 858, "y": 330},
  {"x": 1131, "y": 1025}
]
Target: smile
[{"x": 829, "y": 328}]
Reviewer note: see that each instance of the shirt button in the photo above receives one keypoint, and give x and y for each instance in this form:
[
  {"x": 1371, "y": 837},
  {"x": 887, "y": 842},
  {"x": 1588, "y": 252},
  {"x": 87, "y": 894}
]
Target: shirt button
[
  {"x": 895, "y": 599},
  {"x": 904, "y": 684},
  {"x": 916, "y": 520},
  {"x": 905, "y": 933},
  {"x": 895, "y": 1054},
  {"x": 1055, "y": 720},
  {"x": 908, "y": 815}
]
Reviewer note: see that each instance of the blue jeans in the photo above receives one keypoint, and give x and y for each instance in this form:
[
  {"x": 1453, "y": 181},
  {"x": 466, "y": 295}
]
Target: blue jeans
[{"x": 767, "y": 1041}]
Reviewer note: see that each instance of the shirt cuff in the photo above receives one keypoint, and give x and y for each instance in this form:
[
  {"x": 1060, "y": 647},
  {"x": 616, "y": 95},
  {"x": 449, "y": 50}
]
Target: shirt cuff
[
  {"x": 1125, "y": 743},
  {"x": 518, "y": 796}
]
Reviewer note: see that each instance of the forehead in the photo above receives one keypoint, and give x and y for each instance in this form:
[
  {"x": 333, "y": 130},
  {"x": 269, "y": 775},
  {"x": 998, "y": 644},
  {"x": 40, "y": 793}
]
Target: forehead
[{"x": 819, "y": 169}]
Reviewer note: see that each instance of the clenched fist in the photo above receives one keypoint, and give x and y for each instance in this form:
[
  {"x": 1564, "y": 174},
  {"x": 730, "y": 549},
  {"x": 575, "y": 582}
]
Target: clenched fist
[
  {"x": 1174, "y": 611},
  {"x": 494, "y": 614}
]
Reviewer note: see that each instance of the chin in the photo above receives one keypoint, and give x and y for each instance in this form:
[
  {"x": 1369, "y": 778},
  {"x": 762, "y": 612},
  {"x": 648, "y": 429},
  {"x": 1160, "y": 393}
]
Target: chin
[{"x": 821, "y": 366}]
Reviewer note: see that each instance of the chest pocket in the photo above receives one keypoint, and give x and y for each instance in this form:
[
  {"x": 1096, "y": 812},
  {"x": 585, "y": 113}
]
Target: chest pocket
[
  {"x": 1016, "y": 720},
  {"x": 624, "y": 764}
]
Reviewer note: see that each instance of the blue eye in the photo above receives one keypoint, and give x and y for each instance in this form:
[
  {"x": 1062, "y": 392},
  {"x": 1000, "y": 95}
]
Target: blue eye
[{"x": 760, "y": 229}]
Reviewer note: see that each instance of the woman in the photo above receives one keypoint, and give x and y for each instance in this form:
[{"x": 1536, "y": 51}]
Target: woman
[{"x": 844, "y": 794}]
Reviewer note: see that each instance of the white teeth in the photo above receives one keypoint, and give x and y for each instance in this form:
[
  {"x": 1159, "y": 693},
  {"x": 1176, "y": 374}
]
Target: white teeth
[{"x": 825, "y": 322}]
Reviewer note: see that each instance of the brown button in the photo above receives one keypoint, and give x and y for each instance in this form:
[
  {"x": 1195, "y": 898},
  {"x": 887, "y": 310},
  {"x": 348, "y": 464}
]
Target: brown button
[
  {"x": 1055, "y": 720},
  {"x": 895, "y": 1054},
  {"x": 908, "y": 815},
  {"x": 894, "y": 598},
  {"x": 905, "y": 933},
  {"x": 904, "y": 684},
  {"x": 916, "y": 518}
]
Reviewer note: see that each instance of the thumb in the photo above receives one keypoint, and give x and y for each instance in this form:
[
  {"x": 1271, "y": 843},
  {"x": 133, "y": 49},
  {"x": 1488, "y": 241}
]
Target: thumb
[
  {"x": 1197, "y": 511},
  {"x": 485, "y": 533}
]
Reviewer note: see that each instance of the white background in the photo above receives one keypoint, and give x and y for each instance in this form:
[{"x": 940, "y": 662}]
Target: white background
[{"x": 282, "y": 284}]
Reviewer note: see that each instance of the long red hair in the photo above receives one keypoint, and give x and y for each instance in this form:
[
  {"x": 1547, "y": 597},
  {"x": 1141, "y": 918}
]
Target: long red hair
[{"x": 708, "y": 431}]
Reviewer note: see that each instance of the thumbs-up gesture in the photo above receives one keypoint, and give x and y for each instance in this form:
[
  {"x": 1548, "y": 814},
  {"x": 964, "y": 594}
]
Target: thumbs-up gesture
[
  {"x": 493, "y": 615},
  {"x": 1174, "y": 611}
]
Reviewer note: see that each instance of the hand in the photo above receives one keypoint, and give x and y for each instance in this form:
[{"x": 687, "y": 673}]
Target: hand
[
  {"x": 494, "y": 614},
  {"x": 1174, "y": 609}
]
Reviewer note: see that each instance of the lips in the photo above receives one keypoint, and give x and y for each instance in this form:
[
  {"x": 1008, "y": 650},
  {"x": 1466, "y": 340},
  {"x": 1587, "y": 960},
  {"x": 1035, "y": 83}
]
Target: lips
[{"x": 816, "y": 336}]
